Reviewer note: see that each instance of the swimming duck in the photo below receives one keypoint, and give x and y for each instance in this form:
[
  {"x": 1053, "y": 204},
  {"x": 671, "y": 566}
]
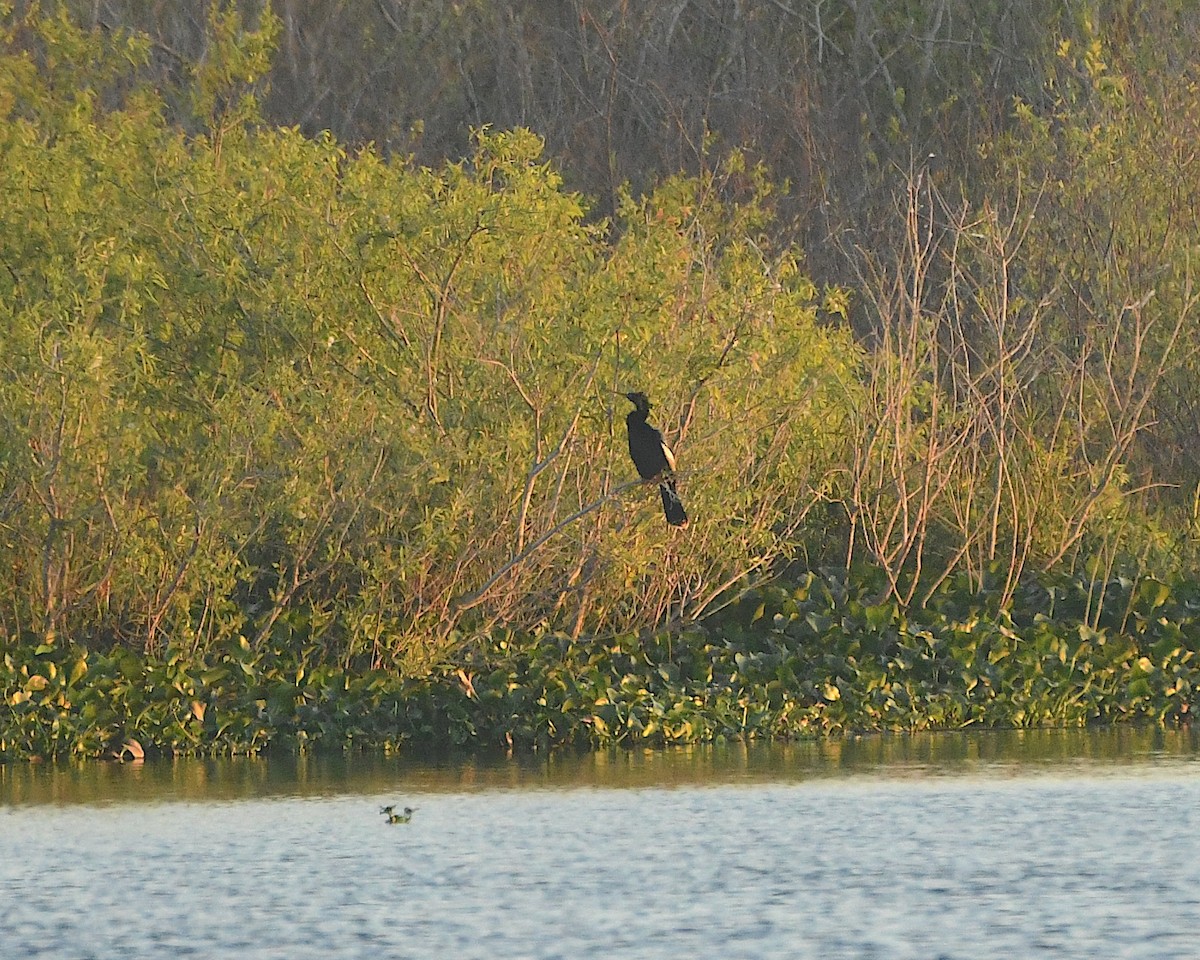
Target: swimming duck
[{"x": 394, "y": 817}]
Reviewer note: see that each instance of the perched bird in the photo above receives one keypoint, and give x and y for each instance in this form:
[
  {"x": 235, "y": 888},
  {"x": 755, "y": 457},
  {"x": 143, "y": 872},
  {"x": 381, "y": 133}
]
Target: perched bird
[
  {"x": 653, "y": 458},
  {"x": 394, "y": 817}
]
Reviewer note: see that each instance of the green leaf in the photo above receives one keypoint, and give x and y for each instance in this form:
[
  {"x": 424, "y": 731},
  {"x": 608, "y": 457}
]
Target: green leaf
[{"x": 1153, "y": 593}]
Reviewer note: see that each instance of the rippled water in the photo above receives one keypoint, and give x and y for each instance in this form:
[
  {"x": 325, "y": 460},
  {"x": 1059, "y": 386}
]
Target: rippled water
[{"x": 1006, "y": 846}]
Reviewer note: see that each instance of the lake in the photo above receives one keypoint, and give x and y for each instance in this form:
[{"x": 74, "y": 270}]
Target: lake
[{"x": 1008, "y": 845}]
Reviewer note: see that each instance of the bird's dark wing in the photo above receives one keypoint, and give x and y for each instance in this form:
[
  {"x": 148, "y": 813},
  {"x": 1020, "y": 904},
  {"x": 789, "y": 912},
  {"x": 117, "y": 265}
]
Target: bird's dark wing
[{"x": 646, "y": 449}]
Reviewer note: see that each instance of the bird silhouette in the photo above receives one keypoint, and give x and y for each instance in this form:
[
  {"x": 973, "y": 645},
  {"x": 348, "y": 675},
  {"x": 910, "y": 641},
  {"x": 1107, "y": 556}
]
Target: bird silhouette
[{"x": 653, "y": 458}]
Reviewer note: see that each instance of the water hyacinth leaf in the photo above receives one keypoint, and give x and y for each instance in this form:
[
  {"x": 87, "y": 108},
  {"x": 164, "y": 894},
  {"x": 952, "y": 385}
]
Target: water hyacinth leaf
[
  {"x": 130, "y": 666},
  {"x": 1166, "y": 648},
  {"x": 879, "y": 615},
  {"x": 820, "y": 623},
  {"x": 1154, "y": 593}
]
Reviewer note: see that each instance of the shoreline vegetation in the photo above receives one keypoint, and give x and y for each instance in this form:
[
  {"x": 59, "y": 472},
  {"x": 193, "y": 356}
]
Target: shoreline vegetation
[
  {"x": 815, "y": 659},
  {"x": 308, "y": 441}
]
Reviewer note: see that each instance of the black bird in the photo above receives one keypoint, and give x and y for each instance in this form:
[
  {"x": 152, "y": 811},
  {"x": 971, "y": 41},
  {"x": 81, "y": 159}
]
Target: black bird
[{"x": 653, "y": 458}]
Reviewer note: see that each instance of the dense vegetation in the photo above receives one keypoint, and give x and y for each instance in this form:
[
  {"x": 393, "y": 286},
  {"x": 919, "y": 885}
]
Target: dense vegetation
[
  {"x": 813, "y": 660},
  {"x": 309, "y": 440}
]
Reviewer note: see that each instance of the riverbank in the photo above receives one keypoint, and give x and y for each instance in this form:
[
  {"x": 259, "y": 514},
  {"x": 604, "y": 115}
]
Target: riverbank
[{"x": 811, "y": 659}]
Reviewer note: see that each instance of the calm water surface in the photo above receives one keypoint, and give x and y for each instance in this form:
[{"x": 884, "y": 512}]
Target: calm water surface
[{"x": 1062, "y": 844}]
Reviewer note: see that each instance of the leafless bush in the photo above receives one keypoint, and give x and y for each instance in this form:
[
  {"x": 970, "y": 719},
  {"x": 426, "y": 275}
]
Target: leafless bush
[{"x": 989, "y": 441}]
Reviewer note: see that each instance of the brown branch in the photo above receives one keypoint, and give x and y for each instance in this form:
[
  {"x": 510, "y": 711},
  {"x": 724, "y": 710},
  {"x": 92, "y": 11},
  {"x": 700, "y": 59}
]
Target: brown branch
[{"x": 462, "y": 604}]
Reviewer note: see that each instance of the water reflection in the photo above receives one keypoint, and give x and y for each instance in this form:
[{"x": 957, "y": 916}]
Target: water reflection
[{"x": 975, "y": 753}]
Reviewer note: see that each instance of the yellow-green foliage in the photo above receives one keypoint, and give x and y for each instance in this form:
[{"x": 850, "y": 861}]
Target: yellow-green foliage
[
  {"x": 1104, "y": 172},
  {"x": 253, "y": 384}
]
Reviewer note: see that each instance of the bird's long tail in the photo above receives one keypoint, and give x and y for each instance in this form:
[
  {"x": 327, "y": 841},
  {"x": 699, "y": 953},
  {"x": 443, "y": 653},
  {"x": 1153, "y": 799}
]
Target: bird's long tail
[{"x": 672, "y": 505}]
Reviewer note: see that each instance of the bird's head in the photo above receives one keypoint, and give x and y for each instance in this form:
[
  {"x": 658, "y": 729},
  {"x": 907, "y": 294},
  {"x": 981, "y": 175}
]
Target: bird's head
[{"x": 639, "y": 400}]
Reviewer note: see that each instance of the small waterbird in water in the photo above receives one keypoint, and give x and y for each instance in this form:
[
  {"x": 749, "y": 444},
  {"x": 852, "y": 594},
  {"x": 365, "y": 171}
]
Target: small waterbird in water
[
  {"x": 653, "y": 458},
  {"x": 393, "y": 817},
  {"x": 128, "y": 750}
]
